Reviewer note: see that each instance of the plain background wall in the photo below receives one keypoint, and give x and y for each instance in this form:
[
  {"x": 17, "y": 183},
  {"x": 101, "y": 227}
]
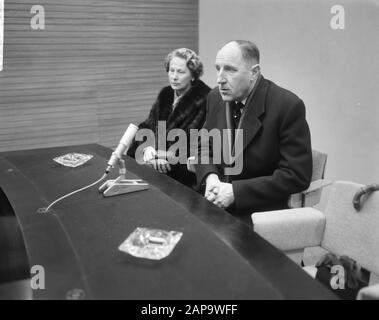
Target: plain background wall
[
  {"x": 96, "y": 67},
  {"x": 335, "y": 72}
]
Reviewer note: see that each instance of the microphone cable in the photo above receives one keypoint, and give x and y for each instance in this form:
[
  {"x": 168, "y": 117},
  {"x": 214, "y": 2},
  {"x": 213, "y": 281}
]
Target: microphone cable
[{"x": 76, "y": 191}]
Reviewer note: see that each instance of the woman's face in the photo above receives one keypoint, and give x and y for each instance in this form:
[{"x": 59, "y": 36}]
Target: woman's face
[{"x": 179, "y": 75}]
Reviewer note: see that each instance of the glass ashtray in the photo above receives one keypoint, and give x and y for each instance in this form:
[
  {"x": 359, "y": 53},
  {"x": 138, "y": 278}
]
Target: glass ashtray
[
  {"x": 73, "y": 159},
  {"x": 152, "y": 244}
]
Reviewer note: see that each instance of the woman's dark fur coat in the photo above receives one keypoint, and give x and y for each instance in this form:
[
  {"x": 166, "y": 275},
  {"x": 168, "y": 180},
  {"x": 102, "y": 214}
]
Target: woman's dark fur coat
[{"x": 188, "y": 114}]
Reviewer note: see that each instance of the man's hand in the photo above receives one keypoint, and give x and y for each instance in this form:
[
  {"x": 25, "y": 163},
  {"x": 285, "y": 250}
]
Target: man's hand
[
  {"x": 225, "y": 196},
  {"x": 212, "y": 187}
]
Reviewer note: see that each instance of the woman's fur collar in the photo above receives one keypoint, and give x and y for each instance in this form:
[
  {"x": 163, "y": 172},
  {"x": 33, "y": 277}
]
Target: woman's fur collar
[{"x": 189, "y": 113}]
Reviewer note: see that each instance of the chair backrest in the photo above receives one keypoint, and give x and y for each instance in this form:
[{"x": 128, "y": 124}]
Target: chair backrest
[
  {"x": 351, "y": 232},
  {"x": 318, "y": 170},
  {"x": 319, "y": 164}
]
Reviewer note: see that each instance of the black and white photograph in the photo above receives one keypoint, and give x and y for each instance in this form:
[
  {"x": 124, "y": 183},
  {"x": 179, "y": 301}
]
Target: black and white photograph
[{"x": 189, "y": 156}]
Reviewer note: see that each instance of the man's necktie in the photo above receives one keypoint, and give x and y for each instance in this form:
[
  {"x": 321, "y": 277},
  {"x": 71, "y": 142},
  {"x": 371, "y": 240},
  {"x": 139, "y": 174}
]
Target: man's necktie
[
  {"x": 236, "y": 115},
  {"x": 237, "y": 111}
]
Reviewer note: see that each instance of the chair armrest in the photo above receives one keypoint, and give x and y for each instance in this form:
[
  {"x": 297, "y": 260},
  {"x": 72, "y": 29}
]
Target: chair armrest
[
  {"x": 290, "y": 229},
  {"x": 191, "y": 164},
  {"x": 309, "y": 197},
  {"x": 369, "y": 293},
  {"x": 317, "y": 185}
]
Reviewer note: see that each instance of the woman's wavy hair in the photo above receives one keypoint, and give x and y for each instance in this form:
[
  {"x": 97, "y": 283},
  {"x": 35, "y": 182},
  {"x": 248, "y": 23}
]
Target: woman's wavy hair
[{"x": 193, "y": 61}]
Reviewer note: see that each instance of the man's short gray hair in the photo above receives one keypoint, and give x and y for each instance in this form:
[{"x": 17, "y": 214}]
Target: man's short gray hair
[{"x": 249, "y": 50}]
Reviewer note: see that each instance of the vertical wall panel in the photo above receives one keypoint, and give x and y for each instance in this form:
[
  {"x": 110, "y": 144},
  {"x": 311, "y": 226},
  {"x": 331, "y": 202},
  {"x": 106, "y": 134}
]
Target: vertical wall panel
[{"x": 96, "y": 67}]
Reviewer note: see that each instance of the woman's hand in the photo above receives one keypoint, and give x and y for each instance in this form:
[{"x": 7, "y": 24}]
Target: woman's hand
[
  {"x": 149, "y": 154},
  {"x": 166, "y": 155},
  {"x": 161, "y": 165},
  {"x": 157, "y": 159}
]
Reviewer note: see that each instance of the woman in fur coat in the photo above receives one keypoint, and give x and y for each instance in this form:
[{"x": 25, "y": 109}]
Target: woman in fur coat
[{"x": 182, "y": 106}]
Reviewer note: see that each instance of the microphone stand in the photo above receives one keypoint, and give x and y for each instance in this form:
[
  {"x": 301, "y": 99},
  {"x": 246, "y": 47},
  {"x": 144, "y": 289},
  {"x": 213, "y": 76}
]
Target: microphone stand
[{"x": 121, "y": 185}]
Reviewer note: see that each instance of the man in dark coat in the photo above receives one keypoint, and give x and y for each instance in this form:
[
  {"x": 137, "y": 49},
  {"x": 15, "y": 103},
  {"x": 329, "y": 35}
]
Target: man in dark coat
[{"x": 276, "y": 150}]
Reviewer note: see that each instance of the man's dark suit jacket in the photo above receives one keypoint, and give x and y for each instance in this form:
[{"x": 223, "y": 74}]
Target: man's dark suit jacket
[{"x": 277, "y": 153}]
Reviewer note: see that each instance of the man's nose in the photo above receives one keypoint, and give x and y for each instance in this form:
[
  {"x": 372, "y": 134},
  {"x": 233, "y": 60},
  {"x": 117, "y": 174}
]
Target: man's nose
[{"x": 220, "y": 78}]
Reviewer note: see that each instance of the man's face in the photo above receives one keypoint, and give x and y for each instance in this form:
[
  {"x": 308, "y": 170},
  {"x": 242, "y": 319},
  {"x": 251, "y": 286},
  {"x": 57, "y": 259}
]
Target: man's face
[{"x": 234, "y": 76}]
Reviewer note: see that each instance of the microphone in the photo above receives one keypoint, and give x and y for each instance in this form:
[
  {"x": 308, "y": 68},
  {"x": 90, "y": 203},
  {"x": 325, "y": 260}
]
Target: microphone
[{"x": 123, "y": 146}]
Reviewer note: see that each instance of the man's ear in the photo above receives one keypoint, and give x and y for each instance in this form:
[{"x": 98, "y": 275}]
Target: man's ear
[{"x": 254, "y": 72}]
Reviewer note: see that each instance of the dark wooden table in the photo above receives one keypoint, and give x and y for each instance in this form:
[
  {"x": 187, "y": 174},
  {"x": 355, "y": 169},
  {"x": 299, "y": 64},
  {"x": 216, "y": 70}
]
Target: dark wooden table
[{"x": 218, "y": 257}]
